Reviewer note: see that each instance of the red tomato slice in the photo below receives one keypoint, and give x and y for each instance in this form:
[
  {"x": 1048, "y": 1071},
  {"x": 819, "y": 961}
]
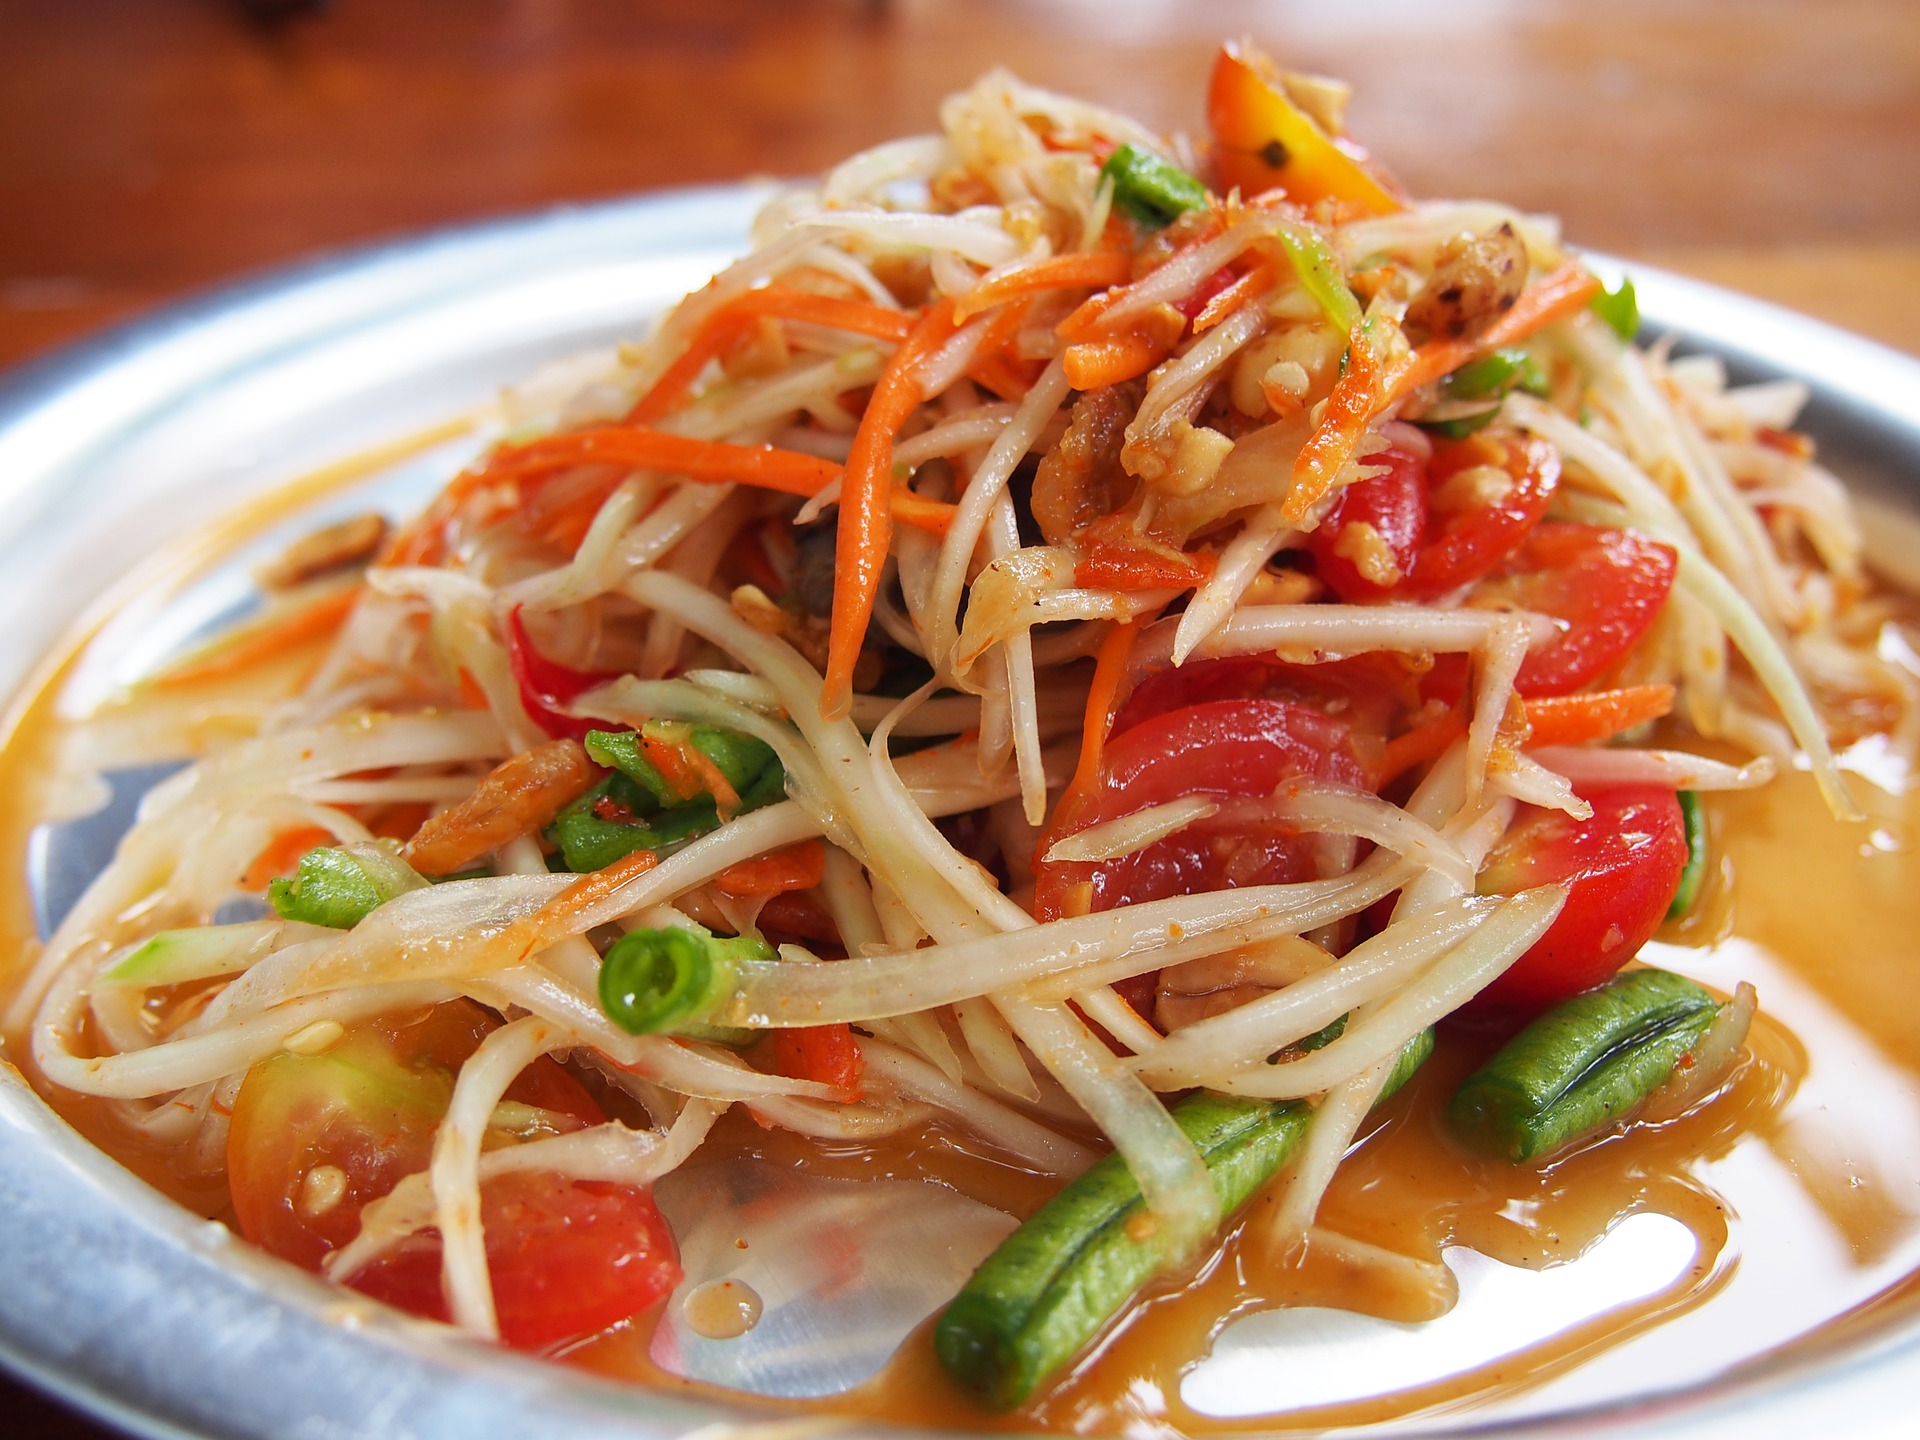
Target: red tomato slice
[
  {"x": 363, "y": 1114},
  {"x": 1608, "y": 585},
  {"x": 1395, "y": 506},
  {"x": 1230, "y": 748},
  {"x": 1470, "y": 535},
  {"x": 828, "y": 1054},
  {"x": 1366, "y": 692},
  {"x": 1624, "y": 865},
  {"x": 566, "y": 1257}
]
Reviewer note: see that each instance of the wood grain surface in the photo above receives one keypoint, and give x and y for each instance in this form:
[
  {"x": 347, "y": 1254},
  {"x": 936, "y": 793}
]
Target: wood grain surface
[{"x": 151, "y": 148}]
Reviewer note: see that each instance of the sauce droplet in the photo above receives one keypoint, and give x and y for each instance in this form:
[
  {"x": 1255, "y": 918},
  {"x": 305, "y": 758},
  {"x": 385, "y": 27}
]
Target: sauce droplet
[{"x": 721, "y": 1309}]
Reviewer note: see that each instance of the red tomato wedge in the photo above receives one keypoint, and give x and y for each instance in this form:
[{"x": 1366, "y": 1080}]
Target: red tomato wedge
[
  {"x": 1229, "y": 748},
  {"x": 1394, "y": 507},
  {"x": 828, "y": 1054},
  {"x": 314, "y": 1138},
  {"x": 1623, "y": 864},
  {"x": 1485, "y": 493},
  {"x": 567, "y": 1258},
  {"x": 1608, "y": 585}
]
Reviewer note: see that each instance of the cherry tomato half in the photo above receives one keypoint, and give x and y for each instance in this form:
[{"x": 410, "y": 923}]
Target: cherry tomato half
[
  {"x": 1472, "y": 527},
  {"x": 1229, "y": 748},
  {"x": 1608, "y": 585},
  {"x": 1623, "y": 865},
  {"x": 314, "y": 1138},
  {"x": 1394, "y": 505}
]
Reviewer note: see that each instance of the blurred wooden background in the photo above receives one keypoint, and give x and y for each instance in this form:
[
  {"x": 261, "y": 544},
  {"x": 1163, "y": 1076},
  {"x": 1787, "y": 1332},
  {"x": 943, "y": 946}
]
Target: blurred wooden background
[{"x": 150, "y": 148}]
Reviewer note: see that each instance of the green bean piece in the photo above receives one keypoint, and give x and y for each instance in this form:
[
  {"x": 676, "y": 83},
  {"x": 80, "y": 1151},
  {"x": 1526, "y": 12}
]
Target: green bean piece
[
  {"x": 748, "y": 764},
  {"x": 620, "y": 750},
  {"x": 592, "y": 835},
  {"x": 341, "y": 887},
  {"x": 1153, "y": 191},
  {"x": 667, "y": 980},
  {"x": 1583, "y": 1067},
  {"x": 1619, "y": 308},
  {"x": 1056, "y": 1281},
  {"x": 1694, "y": 873}
]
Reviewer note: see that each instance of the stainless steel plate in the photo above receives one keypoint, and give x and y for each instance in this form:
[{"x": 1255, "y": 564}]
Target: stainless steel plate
[{"x": 117, "y": 1298}]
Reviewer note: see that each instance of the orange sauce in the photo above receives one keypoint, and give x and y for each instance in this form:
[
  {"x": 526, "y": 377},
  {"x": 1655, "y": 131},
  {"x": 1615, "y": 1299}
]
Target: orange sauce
[{"x": 1813, "y": 1149}]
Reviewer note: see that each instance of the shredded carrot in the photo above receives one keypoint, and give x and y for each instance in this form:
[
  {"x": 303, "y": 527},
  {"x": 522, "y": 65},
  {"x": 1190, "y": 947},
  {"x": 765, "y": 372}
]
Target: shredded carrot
[
  {"x": 556, "y": 916},
  {"x": 1107, "y": 566},
  {"x": 1084, "y": 323},
  {"x": 922, "y": 513},
  {"x": 1096, "y": 270},
  {"x": 1226, "y": 301},
  {"x": 996, "y": 373},
  {"x": 1426, "y": 741},
  {"x": 713, "y": 462},
  {"x": 794, "y": 867},
  {"x": 1560, "y": 294},
  {"x": 1595, "y": 715},
  {"x": 313, "y": 621},
  {"x": 1350, "y": 409},
  {"x": 866, "y": 518},
  {"x": 733, "y": 321},
  {"x": 1103, "y": 699},
  {"x": 1091, "y": 364},
  {"x": 281, "y": 854}
]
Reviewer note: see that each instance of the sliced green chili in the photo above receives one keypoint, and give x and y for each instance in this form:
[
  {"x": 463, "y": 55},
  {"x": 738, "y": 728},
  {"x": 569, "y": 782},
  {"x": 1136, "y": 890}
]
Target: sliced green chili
[
  {"x": 1152, "y": 190},
  {"x": 1694, "y": 873},
  {"x": 1620, "y": 308},
  {"x": 339, "y": 887},
  {"x": 1320, "y": 275},
  {"x": 1489, "y": 378},
  {"x": 654, "y": 982},
  {"x": 1582, "y": 1067},
  {"x": 1057, "y": 1280}
]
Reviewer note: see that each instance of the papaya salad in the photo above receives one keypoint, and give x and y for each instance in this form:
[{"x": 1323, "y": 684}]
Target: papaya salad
[{"x": 1106, "y": 644}]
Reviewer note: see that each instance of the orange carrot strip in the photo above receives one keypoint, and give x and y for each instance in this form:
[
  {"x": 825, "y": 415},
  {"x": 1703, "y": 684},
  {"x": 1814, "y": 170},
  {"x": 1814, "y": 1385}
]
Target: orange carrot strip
[
  {"x": 712, "y": 462},
  {"x": 997, "y": 374},
  {"x": 554, "y": 917},
  {"x": 1091, "y": 364},
  {"x": 1109, "y": 672},
  {"x": 281, "y": 854},
  {"x": 1095, "y": 270},
  {"x": 1259, "y": 278},
  {"x": 1107, "y": 566},
  {"x": 794, "y": 867},
  {"x": 312, "y": 621},
  {"x": 1595, "y": 715},
  {"x": 922, "y": 513},
  {"x": 1084, "y": 322},
  {"x": 1350, "y": 409},
  {"x": 1426, "y": 741},
  {"x": 866, "y": 516},
  {"x": 1560, "y": 294},
  {"x": 727, "y": 325}
]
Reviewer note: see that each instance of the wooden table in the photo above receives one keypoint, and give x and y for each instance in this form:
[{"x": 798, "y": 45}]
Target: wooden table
[{"x": 149, "y": 149}]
